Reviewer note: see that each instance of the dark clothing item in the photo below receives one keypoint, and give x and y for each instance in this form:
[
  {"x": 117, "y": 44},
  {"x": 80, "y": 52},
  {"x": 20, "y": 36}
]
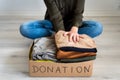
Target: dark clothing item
[
  {"x": 78, "y": 49},
  {"x": 64, "y": 13},
  {"x": 72, "y": 54},
  {"x": 78, "y": 59}
]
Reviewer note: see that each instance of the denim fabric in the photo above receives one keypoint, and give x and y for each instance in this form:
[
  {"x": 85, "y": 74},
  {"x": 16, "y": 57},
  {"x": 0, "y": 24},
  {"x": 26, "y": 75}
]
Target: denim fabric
[
  {"x": 43, "y": 28},
  {"x": 91, "y": 28},
  {"x": 36, "y": 29}
]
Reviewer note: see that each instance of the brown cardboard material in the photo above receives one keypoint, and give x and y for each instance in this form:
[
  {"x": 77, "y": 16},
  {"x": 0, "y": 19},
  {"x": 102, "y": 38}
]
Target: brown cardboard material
[
  {"x": 47, "y": 69},
  {"x": 60, "y": 69}
]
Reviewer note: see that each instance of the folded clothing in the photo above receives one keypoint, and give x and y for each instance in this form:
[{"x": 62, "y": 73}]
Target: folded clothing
[
  {"x": 83, "y": 50},
  {"x": 84, "y": 42},
  {"x": 72, "y": 54},
  {"x": 44, "y": 49},
  {"x": 82, "y": 59},
  {"x": 78, "y": 49}
]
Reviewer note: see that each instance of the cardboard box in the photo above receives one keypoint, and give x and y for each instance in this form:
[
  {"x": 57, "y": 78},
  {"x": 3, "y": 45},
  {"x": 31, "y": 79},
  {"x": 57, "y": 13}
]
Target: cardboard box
[{"x": 59, "y": 69}]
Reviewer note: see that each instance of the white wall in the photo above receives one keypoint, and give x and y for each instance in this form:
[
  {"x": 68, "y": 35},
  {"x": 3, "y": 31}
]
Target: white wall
[
  {"x": 22, "y": 7},
  {"x": 37, "y": 7},
  {"x": 102, "y": 7},
  {"x": 102, "y": 4}
]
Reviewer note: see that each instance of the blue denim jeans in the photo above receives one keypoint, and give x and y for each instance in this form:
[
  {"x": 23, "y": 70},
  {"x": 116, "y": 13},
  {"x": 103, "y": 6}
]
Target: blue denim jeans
[{"x": 43, "y": 28}]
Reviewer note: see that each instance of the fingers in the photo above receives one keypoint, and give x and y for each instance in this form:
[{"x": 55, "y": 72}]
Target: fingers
[
  {"x": 65, "y": 34},
  {"x": 73, "y": 36},
  {"x": 70, "y": 36},
  {"x": 80, "y": 36},
  {"x": 77, "y": 38}
]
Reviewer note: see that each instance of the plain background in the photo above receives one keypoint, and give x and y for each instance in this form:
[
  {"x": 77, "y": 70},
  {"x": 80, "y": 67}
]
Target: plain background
[
  {"x": 14, "y": 47},
  {"x": 37, "y": 7}
]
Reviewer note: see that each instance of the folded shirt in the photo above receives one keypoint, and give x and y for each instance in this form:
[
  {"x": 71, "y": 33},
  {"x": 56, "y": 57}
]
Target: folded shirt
[
  {"x": 78, "y": 59},
  {"x": 78, "y": 49},
  {"x": 83, "y": 50},
  {"x": 84, "y": 42},
  {"x": 72, "y": 54},
  {"x": 44, "y": 49}
]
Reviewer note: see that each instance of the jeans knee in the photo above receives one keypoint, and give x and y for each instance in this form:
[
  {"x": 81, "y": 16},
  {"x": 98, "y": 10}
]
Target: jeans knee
[
  {"x": 36, "y": 29},
  {"x": 47, "y": 24},
  {"x": 23, "y": 29},
  {"x": 96, "y": 27}
]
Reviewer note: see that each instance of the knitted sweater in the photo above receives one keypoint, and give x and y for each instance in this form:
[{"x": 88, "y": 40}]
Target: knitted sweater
[{"x": 64, "y": 13}]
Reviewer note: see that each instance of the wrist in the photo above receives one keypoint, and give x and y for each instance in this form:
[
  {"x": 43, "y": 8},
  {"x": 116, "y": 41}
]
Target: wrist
[{"x": 74, "y": 29}]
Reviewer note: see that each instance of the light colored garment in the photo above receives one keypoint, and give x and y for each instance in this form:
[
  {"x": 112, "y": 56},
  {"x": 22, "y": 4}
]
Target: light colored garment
[
  {"x": 44, "y": 49},
  {"x": 85, "y": 42}
]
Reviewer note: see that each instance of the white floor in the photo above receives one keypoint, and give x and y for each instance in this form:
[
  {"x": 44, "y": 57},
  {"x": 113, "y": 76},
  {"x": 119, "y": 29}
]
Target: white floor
[{"x": 14, "y": 51}]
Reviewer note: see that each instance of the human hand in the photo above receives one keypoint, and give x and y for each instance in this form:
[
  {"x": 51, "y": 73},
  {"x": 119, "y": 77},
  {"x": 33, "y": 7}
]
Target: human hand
[{"x": 73, "y": 34}]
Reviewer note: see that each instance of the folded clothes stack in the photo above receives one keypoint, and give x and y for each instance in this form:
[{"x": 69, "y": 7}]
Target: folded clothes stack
[
  {"x": 59, "y": 49},
  {"x": 44, "y": 49},
  {"x": 83, "y": 50}
]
